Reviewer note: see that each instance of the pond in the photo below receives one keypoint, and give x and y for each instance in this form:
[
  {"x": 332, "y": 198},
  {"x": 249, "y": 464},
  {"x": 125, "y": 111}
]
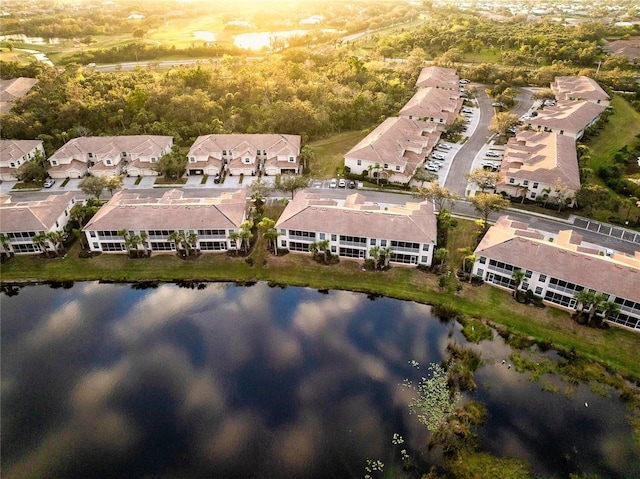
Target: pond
[{"x": 104, "y": 380}]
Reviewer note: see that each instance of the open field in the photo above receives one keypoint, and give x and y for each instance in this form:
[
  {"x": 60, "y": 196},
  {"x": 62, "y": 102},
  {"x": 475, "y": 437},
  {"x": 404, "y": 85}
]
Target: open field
[{"x": 330, "y": 153}]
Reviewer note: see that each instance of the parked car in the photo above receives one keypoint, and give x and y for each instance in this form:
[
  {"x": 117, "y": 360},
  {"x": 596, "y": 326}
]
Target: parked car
[
  {"x": 487, "y": 165},
  {"x": 333, "y": 183},
  {"x": 49, "y": 182},
  {"x": 431, "y": 167},
  {"x": 534, "y": 114},
  {"x": 467, "y": 110},
  {"x": 438, "y": 156},
  {"x": 496, "y": 104},
  {"x": 216, "y": 179},
  {"x": 493, "y": 154},
  {"x": 342, "y": 184},
  {"x": 352, "y": 184},
  {"x": 463, "y": 81},
  {"x": 443, "y": 146},
  {"x": 437, "y": 163}
]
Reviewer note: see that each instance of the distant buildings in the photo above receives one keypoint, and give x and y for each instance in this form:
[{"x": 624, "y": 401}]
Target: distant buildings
[
  {"x": 579, "y": 88},
  {"x": 153, "y": 220},
  {"x": 15, "y": 153},
  {"x": 12, "y": 89},
  {"x": 436, "y": 105},
  {"x": 567, "y": 117},
  {"x": 24, "y": 220},
  {"x": 353, "y": 227},
  {"x": 557, "y": 267}
]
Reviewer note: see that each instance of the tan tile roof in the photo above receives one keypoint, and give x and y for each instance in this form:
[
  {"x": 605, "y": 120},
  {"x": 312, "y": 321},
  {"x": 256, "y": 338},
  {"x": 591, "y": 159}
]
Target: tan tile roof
[
  {"x": 11, "y": 150},
  {"x": 111, "y": 147},
  {"x": 171, "y": 212},
  {"x": 392, "y": 141},
  {"x": 38, "y": 215},
  {"x": 563, "y": 261},
  {"x": 543, "y": 157},
  {"x": 309, "y": 212},
  {"x": 433, "y": 102},
  {"x": 75, "y": 165},
  {"x": 12, "y": 89},
  {"x": 213, "y": 145},
  {"x": 572, "y": 116},
  {"x": 578, "y": 87},
  {"x": 438, "y": 77}
]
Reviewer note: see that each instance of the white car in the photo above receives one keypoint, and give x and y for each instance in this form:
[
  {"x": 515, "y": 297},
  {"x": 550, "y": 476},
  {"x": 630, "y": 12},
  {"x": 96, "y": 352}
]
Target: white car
[
  {"x": 467, "y": 110},
  {"x": 438, "y": 156},
  {"x": 487, "y": 165},
  {"x": 431, "y": 167},
  {"x": 443, "y": 146},
  {"x": 437, "y": 163},
  {"x": 48, "y": 183},
  {"x": 333, "y": 183},
  {"x": 342, "y": 184},
  {"x": 464, "y": 81},
  {"x": 493, "y": 154}
]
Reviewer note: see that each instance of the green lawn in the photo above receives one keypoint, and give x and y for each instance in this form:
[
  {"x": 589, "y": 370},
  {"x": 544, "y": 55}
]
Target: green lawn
[
  {"x": 330, "y": 153},
  {"x": 621, "y": 130}
]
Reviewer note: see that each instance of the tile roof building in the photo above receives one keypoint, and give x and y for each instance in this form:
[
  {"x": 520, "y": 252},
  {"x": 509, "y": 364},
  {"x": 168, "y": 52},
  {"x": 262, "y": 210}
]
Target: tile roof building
[
  {"x": 14, "y": 153},
  {"x": 435, "y": 105},
  {"x": 10, "y": 90},
  {"x": 354, "y": 226},
  {"x": 109, "y": 155},
  {"x": 212, "y": 219},
  {"x": 535, "y": 163},
  {"x": 438, "y": 77},
  {"x": 23, "y": 220},
  {"x": 568, "y": 117},
  {"x": 579, "y": 88},
  {"x": 246, "y": 154},
  {"x": 393, "y": 150},
  {"x": 556, "y": 270}
]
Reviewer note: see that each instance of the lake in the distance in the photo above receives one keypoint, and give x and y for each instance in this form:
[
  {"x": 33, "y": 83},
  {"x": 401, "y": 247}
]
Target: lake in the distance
[{"x": 106, "y": 381}]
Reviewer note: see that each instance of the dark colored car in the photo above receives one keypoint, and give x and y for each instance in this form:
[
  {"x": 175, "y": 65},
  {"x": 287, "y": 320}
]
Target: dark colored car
[{"x": 352, "y": 184}]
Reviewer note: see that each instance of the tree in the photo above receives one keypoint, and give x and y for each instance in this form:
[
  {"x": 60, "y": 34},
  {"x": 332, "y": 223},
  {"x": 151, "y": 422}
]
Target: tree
[
  {"x": 270, "y": 233},
  {"x": 179, "y": 238},
  {"x": 323, "y": 247},
  {"x": 246, "y": 234},
  {"x": 487, "y": 203},
  {"x": 292, "y": 183},
  {"x": 562, "y": 194},
  {"x": 584, "y": 299},
  {"x": 591, "y": 197},
  {"x": 34, "y": 170},
  {"x": 113, "y": 183},
  {"x": 56, "y": 239},
  {"x": 483, "y": 179},
  {"x": 235, "y": 239},
  {"x": 40, "y": 240},
  {"x": 439, "y": 195},
  {"x": 83, "y": 212},
  {"x": 307, "y": 156},
  {"x": 172, "y": 165},
  {"x": 191, "y": 240},
  {"x": 501, "y": 122},
  {"x": 259, "y": 191},
  {"x": 374, "y": 252},
  {"x": 517, "y": 277},
  {"x": 4, "y": 242},
  {"x": 93, "y": 186},
  {"x": 441, "y": 255},
  {"x": 385, "y": 254},
  {"x": 423, "y": 175},
  {"x": 597, "y": 301},
  {"x": 608, "y": 309}
]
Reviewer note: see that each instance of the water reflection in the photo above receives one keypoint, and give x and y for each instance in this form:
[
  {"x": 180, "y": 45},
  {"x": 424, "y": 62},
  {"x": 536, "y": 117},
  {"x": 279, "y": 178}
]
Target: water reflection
[{"x": 111, "y": 381}]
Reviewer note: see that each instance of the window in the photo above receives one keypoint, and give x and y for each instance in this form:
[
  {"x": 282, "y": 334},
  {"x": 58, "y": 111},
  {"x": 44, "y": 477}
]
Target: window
[
  {"x": 525, "y": 286},
  {"x": 535, "y": 185},
  {"x": 321, "y": 235},
  {"x": 283, "y": 243},
  {"x": 542, "y": 278},
  {"x": 213, "y": 245},
  {"x": 124, "y": 154},
  {"x": 292, "y": 159},
  {"x": 282, "y": 231},
  {"x": 512, "y": 180},
  {"x": 90, "y": 155},
  {"x": 372, "y": 242},
  {"x": 528, "y": 273},
  {"x": 12, "y": 165},
  {"x": 359, "y": 162},
  {"x": 480, "y": 272},
  {"x": 397, "y": 168},
  {"x": 333, "y": 249},
  {"x": 192, "y": 159},
  {"x": 424, "y": 259},
  {"x": 533, "y": 195},
  {"x": 538, "y": 290},
  {"x": 224, "y": 152},
  {"x": 333, "y": 238},
  {"x": 295, "y": 246},
  {"x": 483, "y": 260},
  {"x": 108, "y": 162},
  {"x": 526, "y": 182},
  {"x": 352, "y": 252},
  {"x": 383, "y": 243},
  {"x": 153, "y": 159},
  {"x": 54, "y": 162}
]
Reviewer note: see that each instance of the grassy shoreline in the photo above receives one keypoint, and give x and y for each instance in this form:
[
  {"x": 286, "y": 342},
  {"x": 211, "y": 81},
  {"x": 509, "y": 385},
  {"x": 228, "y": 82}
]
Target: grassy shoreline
[{"x": 615, "y": 348}]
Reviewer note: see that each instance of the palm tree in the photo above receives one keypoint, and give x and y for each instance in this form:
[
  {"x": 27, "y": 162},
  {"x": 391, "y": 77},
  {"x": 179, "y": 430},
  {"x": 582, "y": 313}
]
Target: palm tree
[
  {"x": 609, "y": 309},
  {"x": 545, "y": 196},
  {"x": 143, "y": 241},
  {"x": 323, "y": 246},
  {"x": 192, "y": 242},
  {"x": 269, "y": 232},
  {"x": 55, "y": 237},
  {"x": 375, "y": 254},
  {"x": 386, "y": 255},
  {"x": 598, "y": 300},
  {"x": 41, "y": 241},
  {"x": 584, "y": 299},
  {"x": 467, "y": 251},
  {"x": 246, "y": 234},
  {"x": 517, "y": 277},
  {"x": 179, "y": 238},
  {"x": 313, "y": 249},
  {"x": 235, "y": 239},
  {"x": 441, "y": 255},
  {"x": 4, "y": 242}
]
